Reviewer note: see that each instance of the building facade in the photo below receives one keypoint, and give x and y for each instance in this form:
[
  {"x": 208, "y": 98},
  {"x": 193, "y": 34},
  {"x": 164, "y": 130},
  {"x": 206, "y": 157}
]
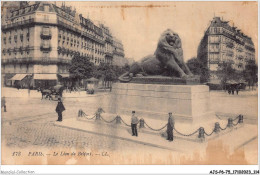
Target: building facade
[
  {"x": 224, "y": 43},
  {"x": 118, "y": 52},
  {"x": 39, "y": 40}
]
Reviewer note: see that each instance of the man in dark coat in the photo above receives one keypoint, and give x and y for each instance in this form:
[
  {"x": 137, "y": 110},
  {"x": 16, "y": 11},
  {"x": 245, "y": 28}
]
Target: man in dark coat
[
  {"x": 59, "y": 109},
  {"x": 134, "y": 122},
  {"x": 170, "y": 126},
  {"x": 3, "y": 103}
]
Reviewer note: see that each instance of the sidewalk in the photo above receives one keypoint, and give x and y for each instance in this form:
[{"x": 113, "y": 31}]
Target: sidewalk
[
  {"x": 146, "y": 136},
  {"x": 24, "y": 93}
]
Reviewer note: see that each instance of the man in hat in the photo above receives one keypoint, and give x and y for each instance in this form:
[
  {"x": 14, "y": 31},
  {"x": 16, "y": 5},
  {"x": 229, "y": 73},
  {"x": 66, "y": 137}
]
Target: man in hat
[
  {"x": 59, "y": 109},
  {"x": 134, "y": 122},
  {"x": 170, "y": 126}
]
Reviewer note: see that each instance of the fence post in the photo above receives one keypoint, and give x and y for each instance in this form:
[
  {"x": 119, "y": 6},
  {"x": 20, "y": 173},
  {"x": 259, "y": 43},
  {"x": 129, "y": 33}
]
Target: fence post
[
  {"x": 80, "y": 113},
  {"x": 230, "y": 123},
  {"x": 118, "y": 119},
  {"x": 217, "y": 127},
  {"x": 240, "y": 119},
  {"x": 201, "y": 133},
  {"x": 98, "y": 116},
  {"x": 141, "y": 123}
]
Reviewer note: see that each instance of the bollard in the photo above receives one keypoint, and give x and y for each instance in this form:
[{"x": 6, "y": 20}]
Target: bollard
[
  {"x": 80, "y": 113},
  {"x": 201, "y": 133},
  {"x": 118, "y": 119},
  {"x": 240, "y": 119},
  {"x": 141, "y": 123},
  {"x": 217, "y": 127},
  {"x": 98, "y": 116},
  {"x": 230, "y": 123}
]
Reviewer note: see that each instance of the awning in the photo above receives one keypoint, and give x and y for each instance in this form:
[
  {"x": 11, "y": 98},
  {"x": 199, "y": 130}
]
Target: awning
[
  {"x": 64, "y": 75},
  {"x": 214, "y": 81},
  {"x": 45, "y": 77},
  {"x": 19, "y": 77},
  {"x": 92, "y": 79}
]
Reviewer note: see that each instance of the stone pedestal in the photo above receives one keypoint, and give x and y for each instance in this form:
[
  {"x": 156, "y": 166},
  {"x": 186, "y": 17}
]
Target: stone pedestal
[{"x": 186, "y": 102}]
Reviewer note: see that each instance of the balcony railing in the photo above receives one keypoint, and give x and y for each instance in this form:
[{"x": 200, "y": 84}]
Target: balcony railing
[
  {"x": 46, "y": 35},
  {"x": 16, "y": 24},
  {"x": 118, "y": 53},
  {"x": 109, "y": 54},
  {"x": 44, "y": 47}
]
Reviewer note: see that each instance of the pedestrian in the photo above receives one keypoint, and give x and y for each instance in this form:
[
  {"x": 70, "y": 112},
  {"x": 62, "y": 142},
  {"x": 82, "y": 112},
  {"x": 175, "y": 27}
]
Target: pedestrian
[
  {"x": 170, "y": 126},
  {"x": 3, "y": 103},
  {"x": 229, "y": 90},
  {"x": 59, "y": 109},
  {"x": 233, "y": 90},
  {"x": 237, "y": 89},
  {"x": 134, "y": 122}
]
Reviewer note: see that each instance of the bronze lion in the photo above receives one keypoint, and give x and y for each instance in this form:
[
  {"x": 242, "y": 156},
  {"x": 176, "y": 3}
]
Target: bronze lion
[{"x": 167, "y": 60}]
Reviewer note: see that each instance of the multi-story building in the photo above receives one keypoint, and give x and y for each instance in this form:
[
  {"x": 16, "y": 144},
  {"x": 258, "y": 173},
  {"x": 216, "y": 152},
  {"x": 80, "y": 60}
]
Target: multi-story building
[
  {"x": 108, "y": 44},
  {"x": 224, "y": 43},
  {"x": 39, "y": 40},
  {"x": 119, "y": 56}
]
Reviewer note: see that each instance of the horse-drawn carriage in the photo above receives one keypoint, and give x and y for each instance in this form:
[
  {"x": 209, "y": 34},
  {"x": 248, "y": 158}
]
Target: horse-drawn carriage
[{"x": 52, "y": 93}]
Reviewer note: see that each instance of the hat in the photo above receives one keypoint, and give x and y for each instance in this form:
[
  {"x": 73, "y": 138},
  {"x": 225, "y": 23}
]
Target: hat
[
  {"x": 59, "y": 98},
  {"x": 133, "y": 111},
  {"x": 170, "y": 113}
]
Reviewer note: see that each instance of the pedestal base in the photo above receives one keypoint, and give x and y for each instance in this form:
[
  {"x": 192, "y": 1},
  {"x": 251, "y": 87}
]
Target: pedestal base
[{"x": 186, "y": 102}]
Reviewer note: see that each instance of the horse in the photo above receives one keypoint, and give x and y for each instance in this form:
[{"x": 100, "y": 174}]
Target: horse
[{"x": 46, "y": 92}]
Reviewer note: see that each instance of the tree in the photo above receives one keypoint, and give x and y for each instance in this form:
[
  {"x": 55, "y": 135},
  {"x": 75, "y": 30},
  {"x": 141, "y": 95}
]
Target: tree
[
  {"x": 81, "y": 68},
  {"x": 198, "y": 68},
  {"x": 106, "y": 72},
  {"x": 250, "y": 73},
  {"x": 226, "y": 72}
]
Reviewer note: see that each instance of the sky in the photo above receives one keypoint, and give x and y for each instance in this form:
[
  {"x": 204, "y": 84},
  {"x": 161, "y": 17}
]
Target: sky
[{"x": 139, "y": 24}]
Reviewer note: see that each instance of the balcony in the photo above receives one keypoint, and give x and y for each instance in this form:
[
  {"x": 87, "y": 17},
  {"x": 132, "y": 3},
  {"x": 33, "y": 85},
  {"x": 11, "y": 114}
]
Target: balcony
[
  {"x": 25, "y": 60},
  {"x": 16, "y": 24},
  {"x": 108, "y": 54},
  {"x": 118, "y": 53},
  {"x": 45, "y": 47},
  {"x": 46, "y": 35},
  {"x": 109, "y": 40},
  {"x": 230, "y": 45}
]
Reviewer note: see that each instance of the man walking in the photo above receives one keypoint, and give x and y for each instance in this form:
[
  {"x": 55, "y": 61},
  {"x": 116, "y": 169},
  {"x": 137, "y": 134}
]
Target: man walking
[
  {"x": 134, "y": 122},
  {"x": 59, "y": 109},
  {"x": 170, "y": 126}
]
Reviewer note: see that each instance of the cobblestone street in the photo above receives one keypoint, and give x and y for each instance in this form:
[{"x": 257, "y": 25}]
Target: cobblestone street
[{"x": 31, "y": 123}]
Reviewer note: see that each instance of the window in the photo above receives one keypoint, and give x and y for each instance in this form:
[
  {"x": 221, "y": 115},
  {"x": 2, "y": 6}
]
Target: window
[
  {"x": 46, "y": 8},
  {"x": 21, "y": 38},
  {"x": 4, "y": 40},
  {"x": 10, "y": 39},
  {"x": 46, "y": 31}
]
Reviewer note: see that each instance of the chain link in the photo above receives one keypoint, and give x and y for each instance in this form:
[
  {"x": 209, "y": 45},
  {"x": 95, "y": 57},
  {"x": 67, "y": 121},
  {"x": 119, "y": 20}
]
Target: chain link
[
  {"x": 223, "y": 128},
  {"x": 210, "y": 133},
  {"x": 85, "y": 115},
  {"x": 108, "y": 121},
  {"x": 218, "y": 117},
  {"x": 236, "y": 123},
  {"x": 125, "y": 122},
  {"x": 186, "y": 134},
  {"x": 154, "y": 129}
]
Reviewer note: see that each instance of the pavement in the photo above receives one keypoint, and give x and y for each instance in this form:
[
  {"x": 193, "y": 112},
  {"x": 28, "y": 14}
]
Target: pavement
[
  {"x": 30, "y": 121},
  {"x": 184, "y": 144}
]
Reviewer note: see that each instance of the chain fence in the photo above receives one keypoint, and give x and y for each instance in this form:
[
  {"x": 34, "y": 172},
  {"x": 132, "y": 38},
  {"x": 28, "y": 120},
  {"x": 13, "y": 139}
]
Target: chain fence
[
  {"x": 201, "y": 130},
  {"x": 186, "y": 135}
]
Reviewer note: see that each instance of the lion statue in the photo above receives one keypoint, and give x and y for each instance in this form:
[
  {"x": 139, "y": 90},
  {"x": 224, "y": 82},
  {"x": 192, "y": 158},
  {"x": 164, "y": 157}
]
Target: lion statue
[{"x": 167, "y": 60}]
